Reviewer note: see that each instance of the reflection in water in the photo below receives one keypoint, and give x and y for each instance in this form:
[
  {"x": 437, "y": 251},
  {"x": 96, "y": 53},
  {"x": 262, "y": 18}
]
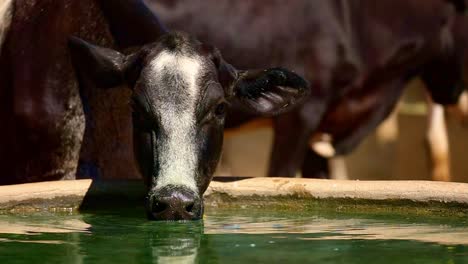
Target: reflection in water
[
  {"x": 27, "y": 225},
  {"x": 175, "y": 242},
  {"x": 133, "y": 239},
  {"x": 333, "y": 229},
  {"x": 224, "y": 238}
]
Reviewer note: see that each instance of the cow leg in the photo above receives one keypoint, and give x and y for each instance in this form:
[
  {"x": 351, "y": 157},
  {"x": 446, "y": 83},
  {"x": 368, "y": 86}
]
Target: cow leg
[
  {"x": 437, "y": 142},
  {"x": 315, "y": 166},
  {"x": 288, "y": 152},
  {"x": 291, "y": 136},
  {"x": 338, "y": 168}
]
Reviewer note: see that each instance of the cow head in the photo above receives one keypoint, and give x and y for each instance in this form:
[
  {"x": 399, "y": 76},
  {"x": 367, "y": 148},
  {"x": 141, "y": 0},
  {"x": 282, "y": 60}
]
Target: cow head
[{"x": 181, "y": 89}]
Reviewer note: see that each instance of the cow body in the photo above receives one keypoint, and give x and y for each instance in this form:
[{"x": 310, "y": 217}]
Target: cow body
[
  {"x": 358, "y": 56},
  {"x": 43, "y": 121}
]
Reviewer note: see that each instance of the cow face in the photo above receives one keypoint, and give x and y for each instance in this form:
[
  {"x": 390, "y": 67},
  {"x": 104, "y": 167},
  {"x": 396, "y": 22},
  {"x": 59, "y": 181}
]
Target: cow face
[{"x": 181, "y": 89}]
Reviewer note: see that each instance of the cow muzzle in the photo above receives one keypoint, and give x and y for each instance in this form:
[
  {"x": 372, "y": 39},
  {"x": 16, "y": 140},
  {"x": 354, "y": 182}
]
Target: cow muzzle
[{"x": 172, "y": 203}]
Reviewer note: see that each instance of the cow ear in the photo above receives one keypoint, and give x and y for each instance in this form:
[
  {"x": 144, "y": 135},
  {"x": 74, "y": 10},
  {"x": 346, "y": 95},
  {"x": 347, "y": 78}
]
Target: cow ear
[
  {"x": 104, "y": 67},
  {"x": 262, "y": 92},
  {"x": 270, "y": 92}
]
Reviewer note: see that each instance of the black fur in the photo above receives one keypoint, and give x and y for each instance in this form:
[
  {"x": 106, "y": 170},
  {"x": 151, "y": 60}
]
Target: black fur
[
  {"x": 254, "y": 86},
  {"x": 460, "y": 5}
]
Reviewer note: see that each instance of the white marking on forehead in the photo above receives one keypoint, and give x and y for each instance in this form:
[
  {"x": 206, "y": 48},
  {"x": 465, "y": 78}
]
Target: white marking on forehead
[
  {"x": 178, "y": 157},
  {"x": 174, "y": 63},
  {"x": 5, "y": 19}
]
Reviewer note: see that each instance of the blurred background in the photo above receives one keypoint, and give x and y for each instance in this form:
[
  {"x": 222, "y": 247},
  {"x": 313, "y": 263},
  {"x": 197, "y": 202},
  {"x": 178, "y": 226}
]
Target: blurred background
[{"x": 397, "y": 150}]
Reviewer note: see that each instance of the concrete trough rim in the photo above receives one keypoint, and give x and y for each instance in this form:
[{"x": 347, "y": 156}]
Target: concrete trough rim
[
  {"x": 71, "y": 194},
  {"x": 416, "y": 191}
]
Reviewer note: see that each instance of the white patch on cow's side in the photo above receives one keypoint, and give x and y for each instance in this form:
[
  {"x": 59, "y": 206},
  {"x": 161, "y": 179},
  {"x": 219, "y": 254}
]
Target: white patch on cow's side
[
  {"x": 6, "y": 12},
  {"x": 323, "y": 146},
  {"x": 178, "y": 153}
]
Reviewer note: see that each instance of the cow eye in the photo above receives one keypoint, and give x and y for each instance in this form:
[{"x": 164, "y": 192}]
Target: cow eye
[{"x": 220, "y": 110}]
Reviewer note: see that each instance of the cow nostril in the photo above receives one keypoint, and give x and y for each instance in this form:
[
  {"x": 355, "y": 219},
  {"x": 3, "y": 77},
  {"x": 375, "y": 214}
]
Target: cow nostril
[
  {"x": 159, "y": 207},
  {"x": 174, "y": 203},
  {"x": 189, "y": 207}
]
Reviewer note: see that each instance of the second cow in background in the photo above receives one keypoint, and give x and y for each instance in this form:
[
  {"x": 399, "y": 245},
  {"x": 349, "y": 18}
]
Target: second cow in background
[{"x": 358, "y": 56}]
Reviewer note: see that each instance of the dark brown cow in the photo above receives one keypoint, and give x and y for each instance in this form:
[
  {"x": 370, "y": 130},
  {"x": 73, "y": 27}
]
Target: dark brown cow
[
  {"x": 357, "y": 54},
  {"x": 179, "y": 91},
  {"x": 42, "y": 120}
]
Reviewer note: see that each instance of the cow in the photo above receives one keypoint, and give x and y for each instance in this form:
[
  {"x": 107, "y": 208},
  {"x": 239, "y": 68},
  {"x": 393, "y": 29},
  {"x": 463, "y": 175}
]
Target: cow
[
  {"x": 57, "y": 54},
  {"x": 358, "y": 56}
]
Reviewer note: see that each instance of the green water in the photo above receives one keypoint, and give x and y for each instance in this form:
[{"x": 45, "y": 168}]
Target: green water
[{"x": 243, "y": 236}]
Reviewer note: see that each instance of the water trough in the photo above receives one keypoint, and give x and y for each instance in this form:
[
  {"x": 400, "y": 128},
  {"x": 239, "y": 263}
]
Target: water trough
[{"x": 280, "y": 193}]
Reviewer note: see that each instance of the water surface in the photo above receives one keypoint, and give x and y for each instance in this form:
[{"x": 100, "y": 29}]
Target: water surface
[{"x": 242, "y": 236}]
